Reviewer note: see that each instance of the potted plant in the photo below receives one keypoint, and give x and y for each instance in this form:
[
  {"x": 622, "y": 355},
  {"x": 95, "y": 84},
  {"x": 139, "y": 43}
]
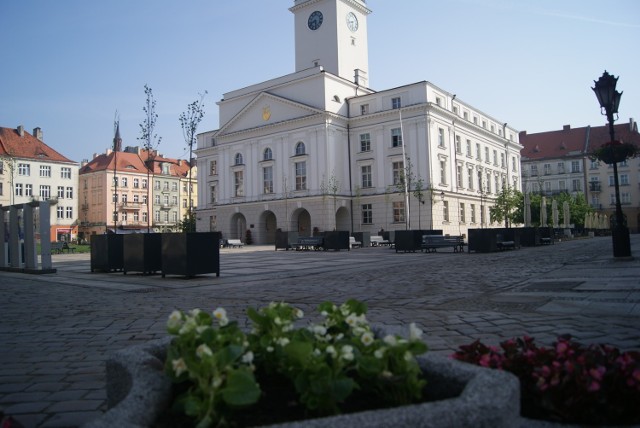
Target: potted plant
[{"x": 335, "y": 373}]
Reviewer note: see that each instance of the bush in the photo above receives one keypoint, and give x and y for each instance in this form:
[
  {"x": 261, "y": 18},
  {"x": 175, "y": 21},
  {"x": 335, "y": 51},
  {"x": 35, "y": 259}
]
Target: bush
[{"x": 568, "y": 382}]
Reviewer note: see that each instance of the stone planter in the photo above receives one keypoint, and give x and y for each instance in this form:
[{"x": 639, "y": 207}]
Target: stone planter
[
  {"x": 464, "y": 395},
  {"x": 107, "y": 252}
]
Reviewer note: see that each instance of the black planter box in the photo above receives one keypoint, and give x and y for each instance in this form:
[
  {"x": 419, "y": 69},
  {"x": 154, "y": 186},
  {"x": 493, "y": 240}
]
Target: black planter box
[
  {"x": 529, "y": 236},
  {"x": 107, "y": 252},
  {"x": 191, "y": 253},
  {"x": 483, "y": 240},
  {"x": 285, "y": 240},
  {"x": 142, "y": 252},
  {"x": 336, "y": 240},
  {"x": 411, "y": 240},
  {"x": 363, "y": 237}
]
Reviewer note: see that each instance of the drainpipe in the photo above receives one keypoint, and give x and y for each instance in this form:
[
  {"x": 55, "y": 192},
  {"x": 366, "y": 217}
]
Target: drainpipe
[{"x": 349, "y": 159}]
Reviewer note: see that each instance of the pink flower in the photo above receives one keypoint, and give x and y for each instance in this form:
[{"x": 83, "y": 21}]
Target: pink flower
[
  {"x": 594, "y": 386},
  {"x": 597, "y": 373},
  {"x": 561, "y": 347}
]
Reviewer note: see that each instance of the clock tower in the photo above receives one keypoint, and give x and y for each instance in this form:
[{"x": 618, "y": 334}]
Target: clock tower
[{"x": 333, "y": 34}]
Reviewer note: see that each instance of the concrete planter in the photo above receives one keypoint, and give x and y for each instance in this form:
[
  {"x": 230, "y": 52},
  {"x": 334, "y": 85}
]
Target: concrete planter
[{"x": 464, "y": 395}]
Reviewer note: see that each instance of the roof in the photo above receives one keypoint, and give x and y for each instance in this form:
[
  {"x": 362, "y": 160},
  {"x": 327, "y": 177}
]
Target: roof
[
  {"x": 27, "y": 147},
  {"x": 125, "y": 161},
  {"x": 574, "y": 142}
]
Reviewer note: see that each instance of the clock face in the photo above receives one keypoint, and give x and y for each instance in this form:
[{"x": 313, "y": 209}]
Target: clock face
[
  {"x": 315, "y": 20},
  {"x": 352, "y": 21}
]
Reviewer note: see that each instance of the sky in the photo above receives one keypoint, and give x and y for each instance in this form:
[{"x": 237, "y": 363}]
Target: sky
[{"x": 69, "y": 66}]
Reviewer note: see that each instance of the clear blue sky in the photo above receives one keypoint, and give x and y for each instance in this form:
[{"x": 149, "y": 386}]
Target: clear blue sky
[{"x": 68, "y": 65}]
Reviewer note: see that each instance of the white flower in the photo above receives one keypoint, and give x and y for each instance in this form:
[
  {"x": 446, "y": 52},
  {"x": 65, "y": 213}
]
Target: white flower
[
  {"x": 299, "y": 313},
  {"x": 283, "y": 341},
  {"x": 277, "y": 321},
  {"x": 201, "y": 328},
  {"x": 317, "y": 352},
  {"x": 408, "y": 356},
  {"x": 320, "y": 330},
  {"x": 188, "y": 326},
  {"x": 339, "y": 336},
  {"x": 220, "y": 314},
  {"x": 175, "y": 320},
  {"x": 247, "y": 358},
  {"x": 179, "y": 366},
  {"x": 367, "y": 338},
  {"x": 387, "y": 374},
  {"x": 358, "y": 331},
  {"x": 217, "y": 381},
  {"x": 194, "y": 312},
  {"x": 415, "y": 333},
  {"x": 352, "y": 320},
  {"x": 324, "y": 313},
  {"x": 347, "y": 352},
  {"x": 203, "y": 350},
  {"x": 269, "y": 348},
  {"x": 379, "y": 353},
  {"x": 331, "y": 350},
  {"x": 390, "y": 340}
]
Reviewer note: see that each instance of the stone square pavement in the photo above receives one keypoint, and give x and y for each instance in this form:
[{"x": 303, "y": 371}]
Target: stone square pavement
[{"x": 57, "y": 330}]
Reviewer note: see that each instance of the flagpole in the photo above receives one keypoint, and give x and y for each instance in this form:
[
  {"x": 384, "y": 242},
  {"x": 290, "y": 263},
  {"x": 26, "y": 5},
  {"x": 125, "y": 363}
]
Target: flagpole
[{"x": 406, "y": 176}]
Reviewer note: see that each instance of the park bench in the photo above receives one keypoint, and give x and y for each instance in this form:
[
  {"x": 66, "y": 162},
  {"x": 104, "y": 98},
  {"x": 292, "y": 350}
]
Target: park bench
[
  {"x": 503, "y": 244},
  {"x": 56, "y": 247},
  {"x": 353, "y": 243},
  {"x": 378, "y": 241},
  {"x": 546, "y": 241},
  {"x": 65, "y": 246},
  {"x": 309, "y": 243},
  {"x": 234, "y": 243},
  {"x": 431, "y": 243}
]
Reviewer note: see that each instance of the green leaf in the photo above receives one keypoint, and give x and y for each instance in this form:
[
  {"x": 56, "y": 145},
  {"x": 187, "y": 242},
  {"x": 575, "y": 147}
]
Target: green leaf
[
  {"x": 228, "y": 355},
  {"x": 240, "y": 389},
  {"x": 192, "y": 406},
  {"x": 342, "y": 388},
  {"x": 299, "y": 352}
]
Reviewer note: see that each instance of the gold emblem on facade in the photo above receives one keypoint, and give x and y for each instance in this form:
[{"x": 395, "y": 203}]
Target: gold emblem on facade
[{"x": 266, "y": 113}]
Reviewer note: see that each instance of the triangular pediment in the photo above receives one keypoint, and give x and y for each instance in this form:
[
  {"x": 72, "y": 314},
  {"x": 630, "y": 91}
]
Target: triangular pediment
[{"x": 267, "y": 110}]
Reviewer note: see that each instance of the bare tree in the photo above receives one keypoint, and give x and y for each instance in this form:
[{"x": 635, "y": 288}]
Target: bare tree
[
  {"x": 189, "y": 120},
  {"x": 151, "y": 141}
]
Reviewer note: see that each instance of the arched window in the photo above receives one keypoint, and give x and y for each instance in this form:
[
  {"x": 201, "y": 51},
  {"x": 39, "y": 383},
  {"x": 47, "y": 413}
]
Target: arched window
[
  {"x": 239, "y": 159},
  {"x": 300, "y": 149},
  {"x": 267, "y": 154}
]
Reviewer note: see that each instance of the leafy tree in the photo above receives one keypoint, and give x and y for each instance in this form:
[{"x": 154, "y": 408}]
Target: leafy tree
[
  {"x": 150, "y": 140},
  {"x": 507, "y": 202},
  {"x": 188, "y": 223},
  {"x": 578, "y": 208}
]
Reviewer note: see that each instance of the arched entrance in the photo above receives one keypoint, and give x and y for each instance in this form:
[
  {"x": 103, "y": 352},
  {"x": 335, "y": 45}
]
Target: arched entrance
[
  {"x": 301, "y": 221},
  {"x": 343, "y": 221},
  {"x": 237, "y": 227},
  {"x": 268, "y": 219}
]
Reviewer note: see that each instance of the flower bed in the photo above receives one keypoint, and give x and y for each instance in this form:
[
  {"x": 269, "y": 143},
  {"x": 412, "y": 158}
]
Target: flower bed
[{"x": 568, "y": 382}]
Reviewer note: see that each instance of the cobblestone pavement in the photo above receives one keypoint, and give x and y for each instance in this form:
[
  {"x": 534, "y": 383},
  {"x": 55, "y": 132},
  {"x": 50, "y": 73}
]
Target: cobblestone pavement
[{"x": 57, "y": 330}]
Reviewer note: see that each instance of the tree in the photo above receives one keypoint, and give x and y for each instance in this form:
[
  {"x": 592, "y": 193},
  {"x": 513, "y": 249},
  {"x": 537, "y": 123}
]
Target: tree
[
  {"x": 578, "y": 208},
  {"x": 507, "y": 202},
  {"x": 189, "y": 120},
  {"x": 8, "y": 162},
  {"x": 188, "y": 223},
  {"x": 151, "y": 141}
]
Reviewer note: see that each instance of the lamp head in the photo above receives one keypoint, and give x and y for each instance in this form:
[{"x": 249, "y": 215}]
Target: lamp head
[{"x": 605, "y": 90}]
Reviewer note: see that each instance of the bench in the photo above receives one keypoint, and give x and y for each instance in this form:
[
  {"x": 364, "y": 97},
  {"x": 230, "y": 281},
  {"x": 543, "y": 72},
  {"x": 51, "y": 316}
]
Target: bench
[
  {"x": 309, "y": 243},
  {"x": 546, "y": 241},
  {"x": 353, "y": 243},
  {"x": 56, "y": 247},
  {"x": 234, "y": 243},
  {"x": 431, "y": 243},
  {"x": 378, "y": 241},
  {"x": 504, "y": 245},
  {"x": 69, "y": 249}
]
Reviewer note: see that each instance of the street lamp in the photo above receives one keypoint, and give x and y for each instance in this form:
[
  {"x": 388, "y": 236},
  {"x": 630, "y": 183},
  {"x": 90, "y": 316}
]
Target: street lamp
[{"x": 609, "y": 99}]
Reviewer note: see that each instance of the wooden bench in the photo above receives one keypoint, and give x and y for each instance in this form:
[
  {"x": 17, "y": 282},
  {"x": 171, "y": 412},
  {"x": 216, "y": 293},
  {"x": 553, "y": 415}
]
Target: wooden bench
[
  {"x": 234, "y": 243},
  {"x": 431, "y": 243},
  {"x": 309, "y": 243},
  {"x": 353, "y": 243},
  {"x": 378, "y": 241},
  {"x": 504, "y": 245}
]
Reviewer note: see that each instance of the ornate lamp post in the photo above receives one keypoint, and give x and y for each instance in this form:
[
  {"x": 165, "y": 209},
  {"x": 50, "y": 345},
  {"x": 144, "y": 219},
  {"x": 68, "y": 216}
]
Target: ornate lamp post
[{"x": 609, "y": 99}]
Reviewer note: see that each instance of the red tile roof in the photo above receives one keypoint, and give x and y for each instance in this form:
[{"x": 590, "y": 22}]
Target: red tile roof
[
  {"x": 126, "y": 162},
  {"x": 27, "y": 147}
]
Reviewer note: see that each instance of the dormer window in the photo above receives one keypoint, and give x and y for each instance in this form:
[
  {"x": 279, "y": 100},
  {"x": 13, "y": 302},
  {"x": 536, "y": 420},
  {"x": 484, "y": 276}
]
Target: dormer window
[
  {"x": 300, "y": 149},
  {"x": 267, "y": 154},
  {"x": 238, "y": 159},
  {"x": 396, "y": 103}
]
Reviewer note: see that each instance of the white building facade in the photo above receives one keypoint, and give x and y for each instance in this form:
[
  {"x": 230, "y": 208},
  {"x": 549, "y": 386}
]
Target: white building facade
[{"x": 319, "y": 150}]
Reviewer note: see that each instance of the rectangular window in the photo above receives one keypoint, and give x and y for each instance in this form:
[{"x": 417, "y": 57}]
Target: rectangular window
[
  {"x": 65, "y": 172},
  {"x": 166, "y": 217},
  {"x": 625, "y": 198},
  {"x": 364, "y": 109},
  {"x": 28, "y": 190},
  {"x": 156, "y": 216},
  {"x": 547, "y": 186},
  {"x": 478, "y": 152},
  {"x": 366, "y": 176},
  {"x": 396, "y": 137},
  {"x": 440, "y": 137},
  {"x": 486, "y": 155},
  {"x": 547, "y": 168},
  {"x": 470, "y": 178},
  {"x": 212, "y": 194},
  {"x": 60, "y": 192},
  {"x": 397, "y": 172},
  {"x": 59, "y": 212},
  {"x": 18, "y": 189},
  {"x": 462, "y": 213},
  {"x": 45, "y": 171},
  {"x": 575, "y": 166},
  {"x": 624, "y": 179},
  {"x": 238, "y": 180},
  {"x": 165, "y": 200},
  {"x": 69, "y": 212},
  {"x": 367, "y": 214},
  {"x": 365, "y": 142},
  {"x": 114, "y": 198},
  {"x": 136, "y": 199},
  {"x": 534, "y": 170},
  {"x": 213, "y": 167},
  {"x": 174, "y": 216},
  {"x": 24, "y": 169},
  {"x": 443, "y": 171},
  {"x": 398, "y": 212},
  {"x": 144, "y": 183},
  {"x": 144, "y": 199},
  {"x": 136, "y": 216},
  {"x": 576, "y": 185},
  {"x": 165, "y": 185},
  {"x": 156, "y": 185},
  {"x": 301, "y": 175},
  {"x": 458, "y": 145},
  {"x": 514, "y": 164},
  {"x": 488, "y": 189},
  {"x": 459, "y": 176},
  {"x": 267, "y": 179},
  {"x": 469, "y": 148},
  {"x": 184, "y": 203},
  {"x": 125, "y": 182},
  {"x": 495, "y": 157},
  {"x": 136, "y": 183},
  {"x": 144, "y": 216},
  {"x": 502, "y": 164},
  {"x": 174, "y": 201},
  {"x": 396, "y": 102},
  {"x": 445, "y": 211},
  {"x": 473, "y": 213},
  {"x": 480, "y": 181},
  {"x": 562, "y": 185},
  {"x": 45, "y": 192},
  {"x": 174, "y": 186}
]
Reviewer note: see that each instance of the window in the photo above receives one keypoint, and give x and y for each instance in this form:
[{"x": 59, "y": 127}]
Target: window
[
  {"x": 462, "y": 213},
  {"x": 396, "y": 137},
  {"x": 484, "y": 124},
  {"x": 69, "y": 212},
  {"x": 534, "y": 170},
  {"x": 157, "y": 199},
  {"x": 397, "y": 172},
  {"x": 184, "y": 203},
  {"x": 624, "y": 179},
  {"x": 445, "y": 211},
  {"x": 366, "y": 176},
  {"x": 45, "y": 192},
  {"x": 238, "y": 181},
  {"x": 473, "y": 213},
  {"x": 488, "y": 189},
  {"x": 24, "y": 169},
  {"x": 174, "y": 186},
  {"x": 174, "y": 200},
  {"x": 144, "y": 217},
  {"x": 364, "y": 109},
  {"x": 443, "y": 171},
  {"x": 482, "y": 214},
  {"x": 480, "y": 181},
  {"x": 497, "y": 184},
  {"x": 156, "y": 216},
  {"x": 59, "y": 212},
  {"x": 458, "y": 144},
  {"x": 470, "y": 178},
  {"x": 144, "y": 199},
  {"x": 367, "y": 214},
  {"x": 562, "y": 185},
  {"x": 65, "y": 172},
  {"x": 478, "y": 152},
  {"x": 136, "y": 199},
  {"x": 465, "y": 115},
  {"x": 238, "y": 159},
  {"x": 547, "y": 168},
  {"x": 502, "y": 162},
  {"x": 396, "y": 102},
  {"x": 136, "y": 183},
  {"x": 301, "y": 175},
  {"x": 60, "y": 191},
  {"x": 165, "y": 200},
  {"x": 625, "y": 198},
  {"x": 576, "y": 185},
  {"x": 267, "y": 179},
  {"x": 440, "y": 137},
  {"x": 213, "y": 167},
  {"x": 398, "y": 212},
  {"x": 495, "y": 157},
  {"x": 165, "y": 185},
  {"x": 459, "y": 176},
  {"x": 267, "y": 154},
  {"x": 469, "y": 148},
  {"x": 45, "y": 171},
  {"x": 365, "y": 142},
  {"x": 144, "y": 183},
  {"x": 212, "y": 194},
  {"x": 611, "y": 180},
  {"x": 136, "y": 216},
  {"x": 166, "y": 217},
  {"x": 438, "y": 101},
  {"x": 174, "y": 216},
  {"x": 18, "y": 189},
  {"x": 156, "y": 185},
  {"x": 575, "y": 166},
  {"x": 300, "y": 149},
  {"x": 547, "y": 186},
  {"x": 486, "y": 155},
  {"x": 28, "y": 190},
  {"x": 514, "y": 164}
]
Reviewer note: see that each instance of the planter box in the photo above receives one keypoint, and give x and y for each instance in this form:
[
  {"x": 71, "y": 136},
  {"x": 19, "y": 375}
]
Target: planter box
[
  {"x": 285, "y": 240},
  {"x": 463, "y": 395},
  {"x": 411, "y": 240},
  {"x": 107, "y": 252},
  {"x": 363, "y": 237},
  {"x": 142, "y": 252},
  {"x": 191, "y": 253}
]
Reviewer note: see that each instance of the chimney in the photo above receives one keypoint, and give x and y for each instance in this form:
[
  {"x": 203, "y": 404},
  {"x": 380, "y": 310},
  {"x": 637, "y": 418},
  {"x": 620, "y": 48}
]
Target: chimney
[
  {"x": 20, "y": 130},
  {"x": 633, "y": 126},
  {"x": 37, "y": 132},
  {"x": 566, "y": 128}
]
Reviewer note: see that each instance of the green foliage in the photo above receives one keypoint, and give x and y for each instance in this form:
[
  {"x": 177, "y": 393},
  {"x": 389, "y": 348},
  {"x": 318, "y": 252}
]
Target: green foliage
[
  {"x": 578, "y": 208},
  {"x": 188, "y": 223},
  {"x": 507, "y": 202},
  {"x": 325, "y": 363}
]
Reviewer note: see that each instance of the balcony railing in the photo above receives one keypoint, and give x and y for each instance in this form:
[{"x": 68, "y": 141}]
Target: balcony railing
[{"x": 594, "y": 187}]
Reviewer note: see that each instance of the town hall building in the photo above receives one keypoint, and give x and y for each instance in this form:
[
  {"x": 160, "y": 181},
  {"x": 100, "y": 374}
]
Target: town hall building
[{"x": 320, "y": 150}]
